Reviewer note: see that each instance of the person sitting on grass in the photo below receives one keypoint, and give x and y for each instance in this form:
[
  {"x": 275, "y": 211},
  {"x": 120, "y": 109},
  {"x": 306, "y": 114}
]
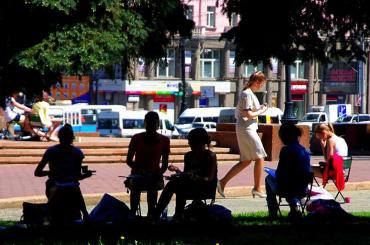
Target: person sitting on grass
[
  {"x": 199, "y": 178},
  {"x": 293, "y": 173},
  {"x": 62, "y": 187}
]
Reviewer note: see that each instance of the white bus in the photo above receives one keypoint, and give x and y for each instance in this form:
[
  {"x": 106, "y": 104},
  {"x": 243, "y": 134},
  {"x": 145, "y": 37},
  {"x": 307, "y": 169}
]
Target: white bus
[
  {"x": 127, "y": 123},
  {"x": 82, "y": 117}
]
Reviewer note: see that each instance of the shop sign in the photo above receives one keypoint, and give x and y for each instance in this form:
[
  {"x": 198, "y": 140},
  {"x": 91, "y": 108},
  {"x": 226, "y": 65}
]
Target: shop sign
[
  {"x": 151, "y": 87},
  {"x": 109, "y": 85},
  {"x": 207, "y": 91},
  {"x": 133, "y": 98},
  {"x": 299, "y": 87},
  {"x": 163, "y": 98},
  {"x": 341, "y": 78},
  {"x": 219, "y": 86}
]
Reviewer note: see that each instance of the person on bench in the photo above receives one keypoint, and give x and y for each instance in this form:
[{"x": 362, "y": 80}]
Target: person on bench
[
  {"x": 148, "y": 148},
  {"x": 62, "y": 187},
  {"x": 292, "y": 173},
  {"x": 40, "y": 118},
  {"x": 199, "y": 178},
  {"x": 14, "y": 112}
]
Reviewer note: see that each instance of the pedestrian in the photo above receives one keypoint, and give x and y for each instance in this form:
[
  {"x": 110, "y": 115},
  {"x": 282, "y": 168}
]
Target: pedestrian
[
  {"x": 293, "y": 173},
  {"x": 148, "y": 148},
  {"x": 250, "y": 145},
  {"x": 199, "y": 178}
]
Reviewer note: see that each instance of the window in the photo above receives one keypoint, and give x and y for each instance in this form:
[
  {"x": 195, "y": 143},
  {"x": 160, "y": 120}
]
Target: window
[
  {"x": 211, "y": 13},
  {"x": 210, "y": 63},
  {"x": 166, "y": 66},
  {"x": 74, "y": 85},
  {"x": 169, "y": 125},
  {"x": 297, "y": 70},
  {"x": 249, "y": 69},
  {"x": 364, "y": 118},
  {"x": 57, "y": 94},
  {"x": 65, "y": 85},
  {"x": 189, "y": 12},
  {"x": 197, "y": 119},
  {"x": 234, "y": 20},
  {"x": 82, "y": 86},
  {"x": 133, "y": 123}
]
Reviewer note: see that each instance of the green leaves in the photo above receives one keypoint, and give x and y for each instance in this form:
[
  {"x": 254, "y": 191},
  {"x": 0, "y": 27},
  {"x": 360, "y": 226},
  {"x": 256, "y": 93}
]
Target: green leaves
[
  {"x": 294, "y": 29},
  {"x": 78, "y": 36}
]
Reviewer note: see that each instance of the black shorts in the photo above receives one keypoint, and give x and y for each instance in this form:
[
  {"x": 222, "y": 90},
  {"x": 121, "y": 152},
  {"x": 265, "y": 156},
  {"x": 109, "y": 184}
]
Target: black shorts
[{"x": 16, "y": 119}]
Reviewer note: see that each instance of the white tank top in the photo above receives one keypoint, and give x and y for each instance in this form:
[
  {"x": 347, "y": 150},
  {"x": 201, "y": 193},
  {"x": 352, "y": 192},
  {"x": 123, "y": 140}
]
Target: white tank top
[{"x": 341, "y": 147}]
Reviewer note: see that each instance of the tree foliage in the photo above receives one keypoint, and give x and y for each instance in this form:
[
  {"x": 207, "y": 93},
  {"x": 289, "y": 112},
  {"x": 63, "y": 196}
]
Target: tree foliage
[
  {"x": 43, "y": 38},
  {"x": 291, "y": 29}
]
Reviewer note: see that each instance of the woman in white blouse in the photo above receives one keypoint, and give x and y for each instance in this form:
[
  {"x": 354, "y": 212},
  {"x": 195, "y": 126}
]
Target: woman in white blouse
[{"x": 250, "y": 145}]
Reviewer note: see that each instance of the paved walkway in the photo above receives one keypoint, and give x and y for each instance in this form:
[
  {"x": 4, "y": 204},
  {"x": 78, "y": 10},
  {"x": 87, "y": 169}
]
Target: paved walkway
[
  {"x": 359, "y": 202},
  {"x": 18, "y": 180},
  {"x": 17, "y": 184}
]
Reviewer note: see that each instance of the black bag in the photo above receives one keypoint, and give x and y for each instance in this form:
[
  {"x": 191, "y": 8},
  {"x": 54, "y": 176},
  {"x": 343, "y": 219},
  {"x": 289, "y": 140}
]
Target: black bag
[
  {"x": 109, "y": 209},
  {"x": 35, "y": 213}
]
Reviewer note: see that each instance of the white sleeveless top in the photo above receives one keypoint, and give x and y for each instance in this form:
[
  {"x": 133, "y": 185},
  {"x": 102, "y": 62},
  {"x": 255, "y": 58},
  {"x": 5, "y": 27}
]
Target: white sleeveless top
[
  {"x": 9, "y": 112},
  {"x": 341, "y": 147}
]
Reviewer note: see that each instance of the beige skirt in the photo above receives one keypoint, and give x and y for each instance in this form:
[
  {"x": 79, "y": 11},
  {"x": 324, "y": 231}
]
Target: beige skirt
[{"x": 250, "y": 144}]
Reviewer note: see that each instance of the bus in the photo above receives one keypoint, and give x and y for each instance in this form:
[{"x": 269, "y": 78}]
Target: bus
[
  {"x": 127, "y": 123},
  {"x": 82, "y": 117}
]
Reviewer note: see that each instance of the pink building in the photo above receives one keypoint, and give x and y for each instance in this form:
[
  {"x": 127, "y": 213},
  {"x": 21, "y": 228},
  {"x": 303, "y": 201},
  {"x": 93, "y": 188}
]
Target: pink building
[{"x": 209, "y": 19}]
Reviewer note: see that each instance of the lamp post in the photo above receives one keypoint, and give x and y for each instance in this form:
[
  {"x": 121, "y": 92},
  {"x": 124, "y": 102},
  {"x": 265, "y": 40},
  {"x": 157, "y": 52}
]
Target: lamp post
[
  {"x": 288, "y": 116},
  {"x": 183, "y": 105}
]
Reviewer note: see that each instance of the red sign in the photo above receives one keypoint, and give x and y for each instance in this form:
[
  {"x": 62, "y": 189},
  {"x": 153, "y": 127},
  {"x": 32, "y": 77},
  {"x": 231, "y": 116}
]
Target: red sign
[
  {"x": 299, "y": 87},
  {"x": 163, "y": 98}
]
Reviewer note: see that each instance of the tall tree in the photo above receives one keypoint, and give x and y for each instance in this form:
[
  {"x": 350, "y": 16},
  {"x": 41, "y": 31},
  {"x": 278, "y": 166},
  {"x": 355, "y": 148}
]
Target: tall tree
[
  {"x": 43, "y": 38},
  {"x": 298, "y": 29}
]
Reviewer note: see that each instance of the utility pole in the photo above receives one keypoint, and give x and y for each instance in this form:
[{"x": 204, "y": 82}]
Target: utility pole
[
  {"x": 288, "y": 116},
  {"x": 183, "y": 96}
]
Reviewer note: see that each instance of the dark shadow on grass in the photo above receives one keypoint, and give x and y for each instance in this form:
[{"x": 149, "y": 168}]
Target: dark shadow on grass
[{"x": 244, "y": 229}]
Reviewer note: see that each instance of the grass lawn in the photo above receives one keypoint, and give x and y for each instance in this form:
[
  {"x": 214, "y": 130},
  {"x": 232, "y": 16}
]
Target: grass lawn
[{"x": 250, "y": 228}]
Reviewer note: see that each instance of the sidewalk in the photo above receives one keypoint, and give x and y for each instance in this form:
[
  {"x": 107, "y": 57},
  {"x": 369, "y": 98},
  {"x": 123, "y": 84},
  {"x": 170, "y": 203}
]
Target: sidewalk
[
  {"x": 359, "y": 203},
  {"x": 18, "y": 184}
]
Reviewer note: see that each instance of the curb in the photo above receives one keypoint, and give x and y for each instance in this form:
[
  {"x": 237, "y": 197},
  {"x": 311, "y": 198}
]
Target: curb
[{"x": 93, "y": 199}]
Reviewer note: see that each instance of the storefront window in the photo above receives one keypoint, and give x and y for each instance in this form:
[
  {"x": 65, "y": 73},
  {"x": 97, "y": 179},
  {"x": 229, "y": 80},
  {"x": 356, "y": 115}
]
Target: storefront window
[
  {"x": 167, "y": 69},
  {"x": 210, "y": 63}
]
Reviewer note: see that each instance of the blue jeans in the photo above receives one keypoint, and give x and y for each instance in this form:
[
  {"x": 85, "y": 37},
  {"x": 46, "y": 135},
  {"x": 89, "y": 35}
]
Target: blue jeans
[{"x": 272, "y": 191}]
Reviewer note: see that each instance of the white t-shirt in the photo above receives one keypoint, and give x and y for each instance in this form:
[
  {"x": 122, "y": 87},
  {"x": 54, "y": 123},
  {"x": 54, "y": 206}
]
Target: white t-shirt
[
  {"x": 9, "y": 112},
  {"x": 341, "y": 147}
]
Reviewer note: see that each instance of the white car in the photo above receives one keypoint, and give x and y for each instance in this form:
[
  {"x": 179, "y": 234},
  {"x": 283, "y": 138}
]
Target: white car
[{"x": 357, "y": 118}]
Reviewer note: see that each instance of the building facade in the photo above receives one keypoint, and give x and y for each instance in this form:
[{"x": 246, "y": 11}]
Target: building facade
[{"x": 209, "y": 66}]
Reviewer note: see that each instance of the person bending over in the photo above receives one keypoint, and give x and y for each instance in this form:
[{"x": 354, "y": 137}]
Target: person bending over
[{"x": 199, "y": 178}]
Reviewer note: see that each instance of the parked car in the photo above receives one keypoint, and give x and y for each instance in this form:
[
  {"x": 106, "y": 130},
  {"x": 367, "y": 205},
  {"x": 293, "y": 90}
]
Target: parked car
[{"x": 357, "y": 118}]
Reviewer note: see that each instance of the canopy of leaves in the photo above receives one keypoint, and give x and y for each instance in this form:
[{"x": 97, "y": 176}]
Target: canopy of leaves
[
  {"x": 291, "y": 29},
  {"x": 47, "y": 37}
]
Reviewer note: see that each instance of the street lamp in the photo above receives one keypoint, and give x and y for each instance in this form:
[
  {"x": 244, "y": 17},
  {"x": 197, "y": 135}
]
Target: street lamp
[
  {"x": 183, "y": 105},
  {"x": 288, "y": 116}
]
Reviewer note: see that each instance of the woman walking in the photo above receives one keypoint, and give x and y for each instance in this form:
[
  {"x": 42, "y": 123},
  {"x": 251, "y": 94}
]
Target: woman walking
[{"x": 250, "y": 145}]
